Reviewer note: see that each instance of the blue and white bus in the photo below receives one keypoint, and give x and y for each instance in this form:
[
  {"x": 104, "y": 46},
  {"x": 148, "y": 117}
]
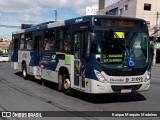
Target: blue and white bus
[{"x": 94, "y": 54}]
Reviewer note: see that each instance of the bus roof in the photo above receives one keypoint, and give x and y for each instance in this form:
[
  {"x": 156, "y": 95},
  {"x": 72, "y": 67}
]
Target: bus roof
[{"x": 82, "y": 19}]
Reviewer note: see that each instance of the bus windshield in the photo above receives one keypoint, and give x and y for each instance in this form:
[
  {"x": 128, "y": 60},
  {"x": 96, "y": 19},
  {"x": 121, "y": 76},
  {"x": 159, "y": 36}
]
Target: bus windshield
[{"x": 122, "y": 49}]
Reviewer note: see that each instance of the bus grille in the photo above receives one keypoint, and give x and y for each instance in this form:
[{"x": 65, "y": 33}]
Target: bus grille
[{"x": 119, "y": 88}]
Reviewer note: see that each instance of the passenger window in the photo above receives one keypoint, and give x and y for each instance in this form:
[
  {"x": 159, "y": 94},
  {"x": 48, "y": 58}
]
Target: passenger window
[
  {"x": 59, "y": 40},
  {"x": 49, "y": 42},
  {"x": 77, "y": 46},
  {"x": 22, "y": 42},
  {"x": 67, "y": 43},
  {"x": 29, "y": 42},
  {"x": 63, "y": 39}
]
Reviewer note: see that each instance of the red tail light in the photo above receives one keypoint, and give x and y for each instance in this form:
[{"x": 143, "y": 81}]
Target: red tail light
[{"x": 42, "y": 66}]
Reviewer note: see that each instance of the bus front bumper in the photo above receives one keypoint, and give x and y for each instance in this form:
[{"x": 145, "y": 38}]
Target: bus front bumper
[{"x": 101, "y": 88}]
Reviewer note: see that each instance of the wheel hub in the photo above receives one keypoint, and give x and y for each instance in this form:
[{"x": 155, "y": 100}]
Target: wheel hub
[
  {"x": 66, "y": 83},
  {"x": 24, "y": 73}
]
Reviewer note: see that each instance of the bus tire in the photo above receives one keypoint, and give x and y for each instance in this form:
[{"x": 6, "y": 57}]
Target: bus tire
[
  {"x": 24, "y": 72},
  {"x": 66, "y": 85},
  {"x": 60, "y": 79},
  {"x": 42, "y": 82}
]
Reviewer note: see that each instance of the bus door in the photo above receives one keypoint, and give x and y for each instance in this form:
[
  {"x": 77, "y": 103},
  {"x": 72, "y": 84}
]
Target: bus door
[
  {"x": 14, "y": 56},
  {"x": 36, "y": 54},
  {"x": 14, "y": 51},
  {"x": 79, "y": 59},
  {"x": 37, "y": 49}
]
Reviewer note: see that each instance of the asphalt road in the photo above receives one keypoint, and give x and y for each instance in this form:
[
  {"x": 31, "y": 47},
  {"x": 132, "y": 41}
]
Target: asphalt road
[{"x": 17, "y": 94}]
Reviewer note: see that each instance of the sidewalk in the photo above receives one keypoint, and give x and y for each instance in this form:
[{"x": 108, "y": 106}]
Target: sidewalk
[
  {"x": 156, "y": 71},
  {"x": 157, "y": 65}
]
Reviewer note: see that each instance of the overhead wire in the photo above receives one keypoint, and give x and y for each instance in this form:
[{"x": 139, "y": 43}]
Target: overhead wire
[{"x": 10, "y": 26}]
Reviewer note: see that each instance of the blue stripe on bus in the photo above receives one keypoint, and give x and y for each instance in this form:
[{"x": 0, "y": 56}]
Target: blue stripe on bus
[
  {"x": 35, "y": 58},
  {"x": 90, "y": 67},
  {"x": 14, "y": 56}
]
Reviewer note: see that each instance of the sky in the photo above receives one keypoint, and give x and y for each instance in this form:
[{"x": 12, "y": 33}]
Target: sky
[{"x": 17, "y": 12}]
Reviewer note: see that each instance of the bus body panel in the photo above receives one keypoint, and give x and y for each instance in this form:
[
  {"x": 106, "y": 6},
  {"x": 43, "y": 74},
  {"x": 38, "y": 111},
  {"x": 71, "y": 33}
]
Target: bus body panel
[
  {"x": 97, "y": 87},
  {"x": 14, "y": 51},
  {"x": 24, "y": 56},
  {"x": 114, "y": 84},
  {"x": 27, "y": 58},
  {"x": 49, "y": 75},
  {"x": 52, "y": 63}
]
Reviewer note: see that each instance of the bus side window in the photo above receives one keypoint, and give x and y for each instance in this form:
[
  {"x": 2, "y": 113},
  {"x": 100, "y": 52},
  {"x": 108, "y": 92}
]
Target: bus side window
[
  {"x": 48, "y": 44},
  {"x": 22, "y": 42},
  {"x": 29, "y": 42},
  {"x": 59, "y": 45},
  {"x": 67, "y": 43},
  {"x": 87, "y": 47},
  {"x": 59, "y": 40},
  {"x": 67, "y": 39},
  {"x": 77, "y": 45},
  {"x": 53, "y": 42},
  {"x": 49, "y": 41},
  {"x": 14, "y": 44}
]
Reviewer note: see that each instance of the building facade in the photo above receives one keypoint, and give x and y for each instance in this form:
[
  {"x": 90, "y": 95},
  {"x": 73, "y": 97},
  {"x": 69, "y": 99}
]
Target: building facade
[{"x": 91, "y": 10}]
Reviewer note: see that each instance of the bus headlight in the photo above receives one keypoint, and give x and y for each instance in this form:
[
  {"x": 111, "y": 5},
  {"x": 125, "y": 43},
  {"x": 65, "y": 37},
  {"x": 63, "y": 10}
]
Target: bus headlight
[
  {"x": 149, "y": 75},
  {"x": 100, "y": 77}
]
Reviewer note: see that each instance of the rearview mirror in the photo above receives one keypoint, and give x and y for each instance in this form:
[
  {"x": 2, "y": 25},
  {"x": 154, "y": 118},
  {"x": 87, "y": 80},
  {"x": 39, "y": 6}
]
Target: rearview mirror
[{"x": 92, "y": 37}]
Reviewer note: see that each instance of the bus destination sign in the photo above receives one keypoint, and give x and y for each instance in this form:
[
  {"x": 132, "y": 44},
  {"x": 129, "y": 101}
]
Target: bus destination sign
[{"x": 120, "y": 23}]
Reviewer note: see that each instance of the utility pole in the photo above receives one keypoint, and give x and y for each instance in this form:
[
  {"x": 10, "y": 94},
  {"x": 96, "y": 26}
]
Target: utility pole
[
  {"x": 155, "y": 40},
  {"x": 55, "y": 15},
  {"x": 101, "y": 4}
]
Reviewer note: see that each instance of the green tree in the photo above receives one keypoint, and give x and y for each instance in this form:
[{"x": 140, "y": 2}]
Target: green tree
[{"x": 1, "y": 52}]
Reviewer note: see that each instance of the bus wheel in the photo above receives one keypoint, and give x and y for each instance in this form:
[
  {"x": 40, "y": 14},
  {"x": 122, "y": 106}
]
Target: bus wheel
[
  {"x": 24, "y": 72},
  {"x": 67, "y": 86},
  {"x": 60, "y": 79}
]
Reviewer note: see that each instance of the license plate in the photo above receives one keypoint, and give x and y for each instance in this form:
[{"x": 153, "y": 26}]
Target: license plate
[{"x": 126, "y": 91}]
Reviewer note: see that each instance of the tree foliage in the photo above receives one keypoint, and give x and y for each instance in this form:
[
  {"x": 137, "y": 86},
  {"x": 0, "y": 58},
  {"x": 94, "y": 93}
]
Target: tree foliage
[{"x": 1, "y": 52}]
